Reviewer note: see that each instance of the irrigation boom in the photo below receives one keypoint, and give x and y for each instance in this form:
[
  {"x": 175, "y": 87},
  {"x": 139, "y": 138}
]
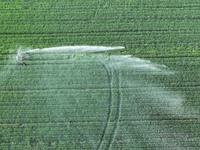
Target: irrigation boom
[{"x": 21, "y": 55}]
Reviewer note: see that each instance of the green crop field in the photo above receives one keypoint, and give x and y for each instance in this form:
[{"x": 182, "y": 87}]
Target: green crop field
[{"x": 105, "y": 100}]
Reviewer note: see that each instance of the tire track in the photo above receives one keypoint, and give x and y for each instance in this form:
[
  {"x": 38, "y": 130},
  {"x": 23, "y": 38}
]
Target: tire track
[
  {"x": 116, "y": 73},
  {"x": 111, "y": 72},
  {"x": 109, "y": 75},
  {"x": 96, "y": 11}
]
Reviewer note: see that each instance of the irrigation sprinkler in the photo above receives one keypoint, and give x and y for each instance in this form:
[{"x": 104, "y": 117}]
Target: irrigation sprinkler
[{"x": 23, "y": 55}]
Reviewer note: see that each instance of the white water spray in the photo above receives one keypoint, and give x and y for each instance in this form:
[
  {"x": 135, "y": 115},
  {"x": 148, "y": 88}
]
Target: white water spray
[
  {"x": 83, "y": 83},
  {"x": 21, "y": 55}
]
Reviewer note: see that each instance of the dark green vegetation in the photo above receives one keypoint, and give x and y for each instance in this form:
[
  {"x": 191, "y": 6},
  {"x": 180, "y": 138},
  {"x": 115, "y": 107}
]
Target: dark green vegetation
[
  {"x": 145, "y": 27},
  {"x": 63, "y": 103}
]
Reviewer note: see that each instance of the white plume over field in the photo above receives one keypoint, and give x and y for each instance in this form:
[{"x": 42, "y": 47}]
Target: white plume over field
[
  {"x": 136, "y": 71},
  {"x": 125, "y": 61},
  {"x": 76, "y": 84},
  {"x": 74, "y": 49},
  {"x": 66, "y": 49}
]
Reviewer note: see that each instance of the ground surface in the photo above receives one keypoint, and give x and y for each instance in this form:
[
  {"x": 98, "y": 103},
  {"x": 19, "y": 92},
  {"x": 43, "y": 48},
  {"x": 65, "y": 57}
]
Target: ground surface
[{"x": 80, "y": 102}]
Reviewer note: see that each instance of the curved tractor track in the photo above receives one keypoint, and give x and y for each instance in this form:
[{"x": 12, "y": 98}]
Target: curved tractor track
[{"x": 114, "y": 107}]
